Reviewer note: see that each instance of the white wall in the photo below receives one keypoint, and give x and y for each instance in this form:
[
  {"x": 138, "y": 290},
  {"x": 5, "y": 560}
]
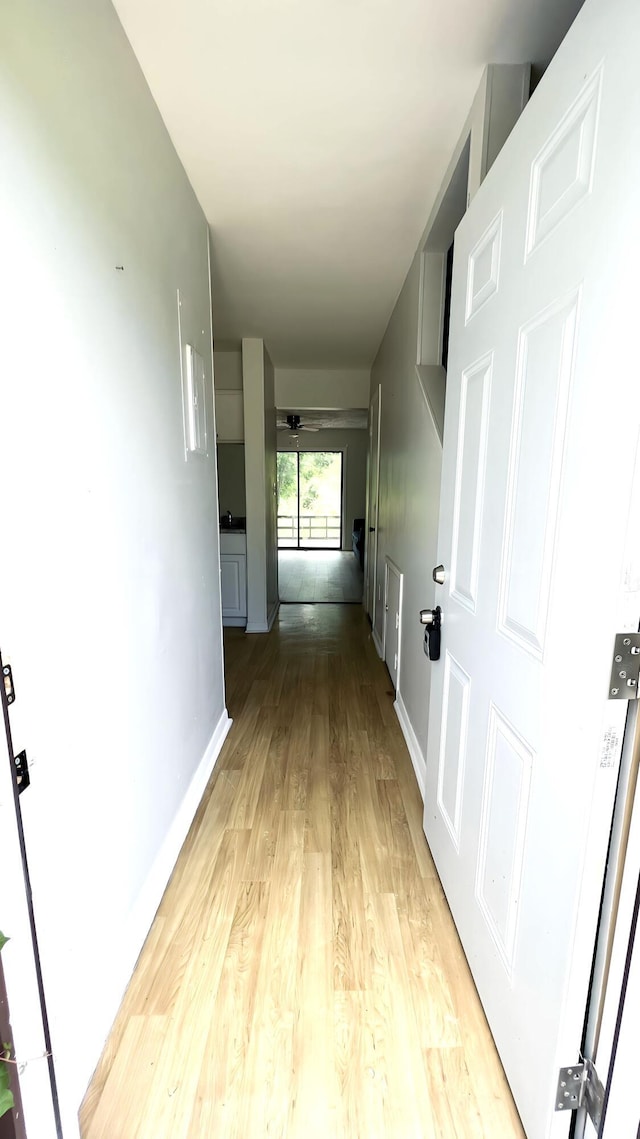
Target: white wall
[
  {"x": 227, "y": 363},
  {"x": 109, "y": 598},
  {"x": 260, "y": 459},
  {"x": 305, "y": 388},
  {"x": 253, "y": 380},
  {"x": 410, "y": 462},
  {"x": 354, "y": 444}
]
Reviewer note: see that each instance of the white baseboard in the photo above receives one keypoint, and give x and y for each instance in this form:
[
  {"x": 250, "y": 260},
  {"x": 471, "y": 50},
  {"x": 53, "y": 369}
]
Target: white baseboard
[
  {"x": 128, "y": 941},
  {"x": 167, "y": 856},
  {"x": 378, "y": 643},
  {"x": 411, "y": 740},
  {"x": 234, "y": 622}
]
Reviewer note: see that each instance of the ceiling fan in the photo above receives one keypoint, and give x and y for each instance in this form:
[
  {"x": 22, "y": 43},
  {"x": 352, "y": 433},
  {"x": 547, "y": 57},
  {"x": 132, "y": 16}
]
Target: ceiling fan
[{"x": 294, "y": 424}]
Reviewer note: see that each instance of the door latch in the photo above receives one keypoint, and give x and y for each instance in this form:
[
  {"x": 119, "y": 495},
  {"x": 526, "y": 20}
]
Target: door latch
[
  {"x": 22, "y": 771},
  {"x": 432, "y": 618},
  {"x": 625, "y": 668}
]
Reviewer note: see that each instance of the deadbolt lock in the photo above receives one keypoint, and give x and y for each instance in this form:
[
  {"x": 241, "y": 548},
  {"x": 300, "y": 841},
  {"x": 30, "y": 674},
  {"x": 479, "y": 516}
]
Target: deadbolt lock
[{"x": 432, "y": 618}]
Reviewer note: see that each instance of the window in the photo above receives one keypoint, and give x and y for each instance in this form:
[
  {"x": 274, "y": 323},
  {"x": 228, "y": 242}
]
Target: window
[{"x": 310, "y": 500}]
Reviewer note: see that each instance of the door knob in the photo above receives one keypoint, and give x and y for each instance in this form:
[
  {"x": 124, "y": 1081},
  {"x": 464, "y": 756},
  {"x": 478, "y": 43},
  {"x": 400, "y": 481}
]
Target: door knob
[
  {"x": 432, "y": 618},
  {"x": 439, "y": 575},
  {"x": 372, "y": 529}
]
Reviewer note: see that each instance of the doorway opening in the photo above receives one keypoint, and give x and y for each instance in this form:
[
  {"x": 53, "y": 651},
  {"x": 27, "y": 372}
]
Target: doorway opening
[{"x": 310, "y": 487}]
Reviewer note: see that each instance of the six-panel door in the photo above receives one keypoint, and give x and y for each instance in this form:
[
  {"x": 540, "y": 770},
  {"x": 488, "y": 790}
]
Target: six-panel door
[{"x": 541, "y": 433}]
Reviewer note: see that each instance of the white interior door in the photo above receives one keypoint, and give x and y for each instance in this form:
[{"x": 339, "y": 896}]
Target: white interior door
[
  {"x": 542, "y": 559},
  {"x": 371, "y": 521}
]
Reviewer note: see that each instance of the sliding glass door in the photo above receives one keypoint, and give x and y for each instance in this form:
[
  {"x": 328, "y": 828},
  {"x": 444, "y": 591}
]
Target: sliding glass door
[{"x": 310, "y": 500}]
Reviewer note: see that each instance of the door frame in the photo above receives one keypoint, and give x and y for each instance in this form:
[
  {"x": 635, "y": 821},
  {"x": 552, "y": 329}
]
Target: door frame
[
  {"x": 372, "y": 512},
  {"x": 390, "y": 568},
  {"x": 609, "y": 1040},
  {"x": 21, "y": 958},
  {"x": 623, "y": 1066}
]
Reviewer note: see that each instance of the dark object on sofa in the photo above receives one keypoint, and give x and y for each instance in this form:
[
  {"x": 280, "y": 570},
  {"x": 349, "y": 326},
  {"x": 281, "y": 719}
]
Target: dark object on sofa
[{"x": 358, "y": 540}]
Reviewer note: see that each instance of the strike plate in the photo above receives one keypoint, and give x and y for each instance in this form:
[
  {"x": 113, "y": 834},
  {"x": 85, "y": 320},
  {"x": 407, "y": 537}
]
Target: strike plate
[
  {"x": 625, "y": 668},
  {"x": 23, "y": 778},
  {"x": 9, "y": 690}
]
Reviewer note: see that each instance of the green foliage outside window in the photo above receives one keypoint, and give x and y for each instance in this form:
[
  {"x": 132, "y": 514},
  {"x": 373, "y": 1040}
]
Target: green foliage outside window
[{"x": 312, "y": 464}]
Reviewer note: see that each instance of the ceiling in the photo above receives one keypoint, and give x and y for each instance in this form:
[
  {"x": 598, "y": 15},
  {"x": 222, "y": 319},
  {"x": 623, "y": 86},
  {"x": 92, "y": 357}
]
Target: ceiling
[
  {"x": 347, "y": 419},
  {"x": 316, "y": 134}
]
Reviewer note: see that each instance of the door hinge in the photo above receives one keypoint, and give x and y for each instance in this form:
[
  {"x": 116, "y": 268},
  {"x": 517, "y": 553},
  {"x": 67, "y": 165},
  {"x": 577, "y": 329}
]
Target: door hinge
[
  {"x": 580, "y": 1086},
  {"x": 7, "y": 677},
  {"x": 625, "y": 669}
]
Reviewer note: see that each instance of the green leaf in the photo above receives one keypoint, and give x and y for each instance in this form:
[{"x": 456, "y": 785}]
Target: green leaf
[
  {"x": 6, "y": 1095},
  {"x": 3, "y": 940},
  {"x": 6, "y": 1102}
]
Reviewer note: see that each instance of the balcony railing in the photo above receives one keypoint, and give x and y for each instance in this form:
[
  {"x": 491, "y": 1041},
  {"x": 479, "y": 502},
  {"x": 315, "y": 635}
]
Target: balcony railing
[{"x": 315, "y": 530}]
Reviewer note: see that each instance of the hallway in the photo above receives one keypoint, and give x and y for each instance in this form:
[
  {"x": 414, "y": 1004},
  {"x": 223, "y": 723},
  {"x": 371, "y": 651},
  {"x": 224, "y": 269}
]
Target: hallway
[{"x": 303, "y": 977}]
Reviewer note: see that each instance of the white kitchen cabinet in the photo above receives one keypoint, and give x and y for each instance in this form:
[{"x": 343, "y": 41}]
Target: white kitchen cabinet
[
  {"x": 229, "y": 416},
  {"x": 233, "y": 578}
]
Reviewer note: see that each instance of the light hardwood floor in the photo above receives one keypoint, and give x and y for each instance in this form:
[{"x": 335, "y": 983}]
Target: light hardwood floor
[
  {"x": 303, "y": 977},
  {"x": 319, "y": 575}
]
